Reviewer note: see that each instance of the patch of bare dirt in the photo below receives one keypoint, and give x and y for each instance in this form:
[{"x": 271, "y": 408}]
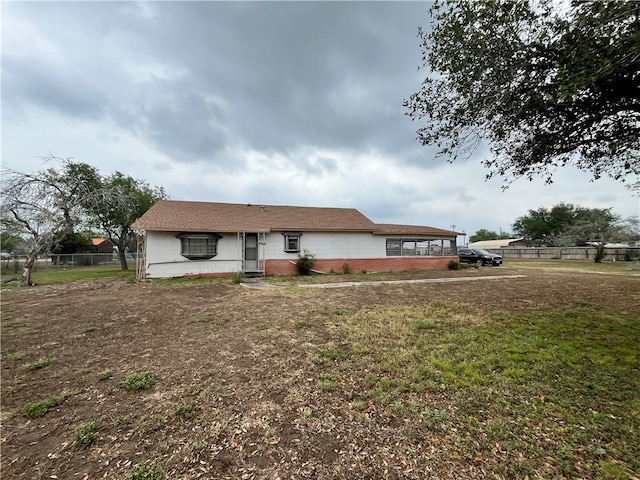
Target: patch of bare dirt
[{"x": 245, "y": 360}]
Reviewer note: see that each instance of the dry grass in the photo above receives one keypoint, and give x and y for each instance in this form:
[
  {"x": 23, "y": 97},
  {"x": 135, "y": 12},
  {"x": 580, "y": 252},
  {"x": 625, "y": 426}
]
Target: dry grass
[{"x": 535, "y": 376}]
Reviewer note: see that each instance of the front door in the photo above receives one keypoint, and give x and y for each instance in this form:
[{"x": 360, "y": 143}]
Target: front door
[{"x": 251, "y": 252}]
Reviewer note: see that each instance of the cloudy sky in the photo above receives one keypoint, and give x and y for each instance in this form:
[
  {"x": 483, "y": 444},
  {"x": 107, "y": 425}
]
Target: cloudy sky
[{"x": 291, "y": 103}]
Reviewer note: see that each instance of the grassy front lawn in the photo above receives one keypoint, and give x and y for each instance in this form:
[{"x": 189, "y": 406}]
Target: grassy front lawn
[
  {"x": 535, "y": 376},
  {"x": 545, "y": 394},
  {"x": 48, "y": 274}
]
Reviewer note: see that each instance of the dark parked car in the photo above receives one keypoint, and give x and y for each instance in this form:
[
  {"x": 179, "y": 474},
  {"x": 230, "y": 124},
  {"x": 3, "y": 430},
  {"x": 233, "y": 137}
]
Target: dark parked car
[{"x": 479, "y": 256}]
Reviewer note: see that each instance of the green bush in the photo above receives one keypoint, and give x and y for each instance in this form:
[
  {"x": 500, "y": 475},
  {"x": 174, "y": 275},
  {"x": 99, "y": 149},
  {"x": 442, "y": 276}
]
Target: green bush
[
  {"x": 16, "y": 356},
  {"x": 87, "y": 433},
  {"x": 148, "y": 471},
  {"x": 139, "y": 381},
  {"x": 238, "y": 277},
  {"x": 184, "y": 408},
  {"x": 40, "y": 363},
  {"x": 38, "y": 409},
  {"x": 456, "y": 265},
  {"x": 305, "y": 263},
  {"x": 331, "y": 354}
]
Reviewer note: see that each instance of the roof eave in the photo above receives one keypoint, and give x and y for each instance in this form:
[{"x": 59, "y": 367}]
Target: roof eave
[
  {"x": 197, "y": 230},
  {"x": 416, "y": 233}
]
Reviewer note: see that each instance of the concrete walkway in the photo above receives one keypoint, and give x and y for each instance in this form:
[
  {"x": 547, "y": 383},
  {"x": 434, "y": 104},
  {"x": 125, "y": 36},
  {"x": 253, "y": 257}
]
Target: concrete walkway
[
  {"x": 259, "y": 284},
  {"x": 395, "y": 282}
]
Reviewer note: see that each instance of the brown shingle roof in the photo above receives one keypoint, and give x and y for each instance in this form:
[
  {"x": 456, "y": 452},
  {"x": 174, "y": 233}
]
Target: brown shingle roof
[
  {"x": 181, "y": 216},
  {"x": 418, "y": 230}
]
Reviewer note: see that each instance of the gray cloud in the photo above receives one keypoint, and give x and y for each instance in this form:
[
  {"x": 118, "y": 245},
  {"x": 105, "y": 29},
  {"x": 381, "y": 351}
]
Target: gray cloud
[
  {"x": 186, "y": 125},
  {"x": 26, "y": 81},
  {"x": 287, "y": 102},
  {"x": 284, "y": 71}
]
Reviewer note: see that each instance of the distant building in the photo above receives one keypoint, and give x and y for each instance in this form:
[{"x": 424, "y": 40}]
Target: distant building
[
  {"x": 101, "y": 245},
  {"x": 615, "y": 244},
  {"x": 502, "y": 243}
]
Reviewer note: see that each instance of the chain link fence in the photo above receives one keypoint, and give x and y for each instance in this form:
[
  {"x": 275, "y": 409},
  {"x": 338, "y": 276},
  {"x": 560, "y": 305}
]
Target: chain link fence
[
  {"x": 84, "y": 260},
  {"x": 13, "y": 263}
]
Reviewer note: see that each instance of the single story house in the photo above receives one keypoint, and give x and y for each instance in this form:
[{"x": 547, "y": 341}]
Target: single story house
[
  {"x": 101, "y": 245},
  {"x": 183, "y": 238},
  {"x": 502, "y": 243}
]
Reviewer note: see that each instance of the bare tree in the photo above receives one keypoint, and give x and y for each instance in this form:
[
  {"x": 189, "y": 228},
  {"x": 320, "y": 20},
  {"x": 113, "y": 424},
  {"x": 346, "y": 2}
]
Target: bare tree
[
  {"x": 44, "y": 206},
  {"x": 598, "y": 229}
]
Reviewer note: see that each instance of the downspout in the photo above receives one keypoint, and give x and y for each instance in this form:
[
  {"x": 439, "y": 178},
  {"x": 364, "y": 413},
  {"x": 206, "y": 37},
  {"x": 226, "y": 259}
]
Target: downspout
[
  {"x": 239, "y": 253},
  {"x": 262, "y": 260}
]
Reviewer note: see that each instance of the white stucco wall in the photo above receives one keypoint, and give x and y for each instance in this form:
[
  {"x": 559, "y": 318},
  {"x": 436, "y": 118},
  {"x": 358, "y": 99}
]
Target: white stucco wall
[
  {"x": 163, "y": 257},
  {"x": 328, "y": 245}
]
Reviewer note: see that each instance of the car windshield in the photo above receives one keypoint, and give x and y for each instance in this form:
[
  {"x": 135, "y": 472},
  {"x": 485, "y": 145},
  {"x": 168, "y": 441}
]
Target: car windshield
[{"x": 481, "y": 251}]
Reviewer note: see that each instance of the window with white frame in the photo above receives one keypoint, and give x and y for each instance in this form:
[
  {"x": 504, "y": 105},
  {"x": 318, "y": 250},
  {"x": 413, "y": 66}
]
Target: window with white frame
[
  {"x": 198, "y": 246},
  {"x": 292, "y": 241}
]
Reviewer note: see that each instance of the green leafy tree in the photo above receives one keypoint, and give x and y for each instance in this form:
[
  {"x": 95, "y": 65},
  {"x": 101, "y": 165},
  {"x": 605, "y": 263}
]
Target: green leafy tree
[
  {"x": 484, "y": 234},
  {"x": 565, "y": 224},
  {"x": 544, "y": 83},
  {"x": 544, "y": 225},
  {"x": 534, "y": 226},
  {"x": 72, "y": 243},
  {"x": 9, "y": 242},
  {"x": 119, "y": 202}
]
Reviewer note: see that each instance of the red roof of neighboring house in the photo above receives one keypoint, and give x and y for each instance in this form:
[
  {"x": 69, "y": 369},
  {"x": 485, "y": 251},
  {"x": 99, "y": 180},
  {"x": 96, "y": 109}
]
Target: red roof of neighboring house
[
  {"x": 97, "y": 241},
  {"x": 184, "y": 216}
]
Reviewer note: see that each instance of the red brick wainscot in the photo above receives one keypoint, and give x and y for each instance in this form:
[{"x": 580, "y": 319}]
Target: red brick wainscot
[{"x": 357, "y": 265}]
